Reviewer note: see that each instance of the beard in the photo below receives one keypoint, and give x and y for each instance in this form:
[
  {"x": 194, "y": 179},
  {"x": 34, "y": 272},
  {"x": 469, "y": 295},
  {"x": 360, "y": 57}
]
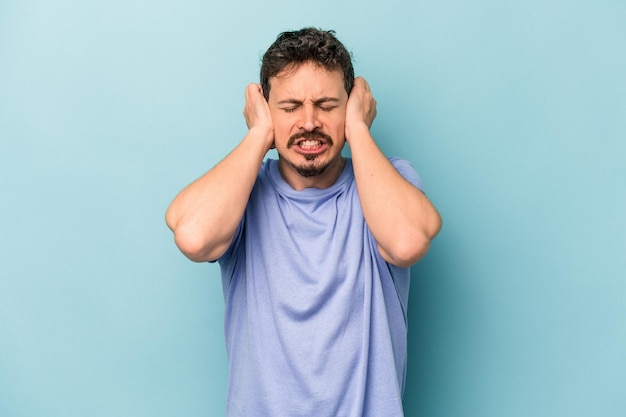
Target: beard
[{"x": 312, "y": 167}]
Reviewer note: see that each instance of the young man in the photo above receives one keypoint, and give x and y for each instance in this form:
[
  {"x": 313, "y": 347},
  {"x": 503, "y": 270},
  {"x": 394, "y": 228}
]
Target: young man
[{"x": 314, "y": 248}]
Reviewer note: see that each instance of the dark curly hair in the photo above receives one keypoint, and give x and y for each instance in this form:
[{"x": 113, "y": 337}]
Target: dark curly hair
[{"x": 308, "y": 44}]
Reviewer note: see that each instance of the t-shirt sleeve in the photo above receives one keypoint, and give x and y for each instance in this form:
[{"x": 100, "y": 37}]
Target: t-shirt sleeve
[
  {"x": 405, "y": 169},
  {"x": 234, "y": 245}
]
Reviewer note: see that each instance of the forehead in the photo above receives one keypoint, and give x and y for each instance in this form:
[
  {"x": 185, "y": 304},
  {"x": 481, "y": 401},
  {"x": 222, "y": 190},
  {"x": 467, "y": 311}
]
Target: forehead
[{"x": 307, "y": 80}]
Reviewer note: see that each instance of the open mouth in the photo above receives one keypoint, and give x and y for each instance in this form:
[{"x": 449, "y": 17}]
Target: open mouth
[{"x": 310, "y": 142}]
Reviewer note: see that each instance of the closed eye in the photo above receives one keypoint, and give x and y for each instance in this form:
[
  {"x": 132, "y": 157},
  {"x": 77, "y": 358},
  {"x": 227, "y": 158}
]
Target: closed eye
[
  {"x": 327, "y": 103},
  {"x": 290, "y": 106}
]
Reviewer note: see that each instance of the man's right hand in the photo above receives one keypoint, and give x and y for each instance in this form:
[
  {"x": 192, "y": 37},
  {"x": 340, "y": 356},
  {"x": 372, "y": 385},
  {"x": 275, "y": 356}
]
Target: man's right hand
[{"x": 257, "y": 113}]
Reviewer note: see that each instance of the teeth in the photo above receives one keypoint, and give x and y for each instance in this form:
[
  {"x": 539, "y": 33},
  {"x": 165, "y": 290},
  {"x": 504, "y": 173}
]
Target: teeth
[{"x": 310, "y": 143}]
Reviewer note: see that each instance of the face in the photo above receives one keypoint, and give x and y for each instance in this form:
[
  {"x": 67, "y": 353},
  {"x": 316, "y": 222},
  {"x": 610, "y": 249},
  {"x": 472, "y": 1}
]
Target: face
[{"x": 308, "y": 109}]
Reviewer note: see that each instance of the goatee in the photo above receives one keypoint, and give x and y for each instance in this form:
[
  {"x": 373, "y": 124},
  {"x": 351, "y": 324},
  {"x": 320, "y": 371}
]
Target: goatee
[{"x": 310, "y": 170}]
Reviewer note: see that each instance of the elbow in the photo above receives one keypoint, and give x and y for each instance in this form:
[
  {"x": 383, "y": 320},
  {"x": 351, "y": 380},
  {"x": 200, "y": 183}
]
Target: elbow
[
  {"x": 190, "y": 246},
  {"x": 193, "y": 246},
  {"x": 406, "y": 251},
  {"x": 186, "y": 237}
]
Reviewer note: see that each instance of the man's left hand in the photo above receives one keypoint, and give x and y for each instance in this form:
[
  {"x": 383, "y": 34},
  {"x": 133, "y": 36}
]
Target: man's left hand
[{"x": 361, "y": 107}]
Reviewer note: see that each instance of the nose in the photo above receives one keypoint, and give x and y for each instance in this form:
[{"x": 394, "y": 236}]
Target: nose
[{"x": 310, "y": 118}]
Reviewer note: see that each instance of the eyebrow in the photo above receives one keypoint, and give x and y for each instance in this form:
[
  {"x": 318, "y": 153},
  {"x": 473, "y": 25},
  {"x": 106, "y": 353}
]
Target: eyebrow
[{"x": 316, "y": 102}]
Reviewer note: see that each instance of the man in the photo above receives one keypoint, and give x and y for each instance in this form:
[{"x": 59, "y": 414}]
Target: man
[{"x": 313, "y": 248}]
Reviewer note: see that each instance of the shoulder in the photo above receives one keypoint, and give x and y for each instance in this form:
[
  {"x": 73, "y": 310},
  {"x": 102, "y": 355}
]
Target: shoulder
[
  {"x": 265, "y": 177},
  {"x": 406, "y": 169}
]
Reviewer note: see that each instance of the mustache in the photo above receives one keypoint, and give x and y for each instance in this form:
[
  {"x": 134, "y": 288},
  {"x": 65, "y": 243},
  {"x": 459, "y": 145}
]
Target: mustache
[{"x": 312, "y": 134}]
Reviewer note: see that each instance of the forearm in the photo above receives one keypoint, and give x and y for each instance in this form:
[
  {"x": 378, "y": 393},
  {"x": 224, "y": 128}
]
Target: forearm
[
  {"x": 205, "y": 215},
  {"x": 401, "y": 218}
]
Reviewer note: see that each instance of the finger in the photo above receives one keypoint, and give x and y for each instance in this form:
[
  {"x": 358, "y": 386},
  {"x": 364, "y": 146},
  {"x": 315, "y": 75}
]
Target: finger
[
  {"x": 362, "y": 83},
  {"x": 366, "y": 85},
  {"x": 252, "y": 89}
]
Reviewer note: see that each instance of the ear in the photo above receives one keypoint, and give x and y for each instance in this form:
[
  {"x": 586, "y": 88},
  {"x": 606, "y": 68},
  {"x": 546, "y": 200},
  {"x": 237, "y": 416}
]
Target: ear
[{"x": 267, "y": 96}]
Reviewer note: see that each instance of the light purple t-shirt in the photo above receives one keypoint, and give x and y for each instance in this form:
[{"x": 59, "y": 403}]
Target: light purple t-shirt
[{"x": 315, "y": 319}]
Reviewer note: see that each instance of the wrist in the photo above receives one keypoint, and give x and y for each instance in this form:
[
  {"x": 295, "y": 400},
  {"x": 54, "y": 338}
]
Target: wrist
[
  {"x": 262, "y": 134},
  {"x": 357, "y": 130}
]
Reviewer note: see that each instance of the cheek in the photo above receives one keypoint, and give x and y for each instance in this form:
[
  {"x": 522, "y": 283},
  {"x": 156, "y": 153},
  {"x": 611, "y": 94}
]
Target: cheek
[
  {"x": 277, "y": 118},
  {"x": 283, "y": 129},
  {"x": 337, "y": 126}
]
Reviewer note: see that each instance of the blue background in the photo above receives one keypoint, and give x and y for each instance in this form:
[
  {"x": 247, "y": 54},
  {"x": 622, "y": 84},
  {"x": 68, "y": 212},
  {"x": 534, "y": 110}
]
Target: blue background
[{"x": 514, "y": 113}]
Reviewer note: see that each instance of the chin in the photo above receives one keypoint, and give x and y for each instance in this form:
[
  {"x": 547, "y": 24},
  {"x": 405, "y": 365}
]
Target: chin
[
  {"x": 310, "y": 172},
  {"x": 310, "y": 169}
]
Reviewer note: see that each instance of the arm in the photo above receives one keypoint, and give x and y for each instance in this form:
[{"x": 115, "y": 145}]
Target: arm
[
  {"x": 401, "y": 218},
  {"x": 205, "y": 215}
]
